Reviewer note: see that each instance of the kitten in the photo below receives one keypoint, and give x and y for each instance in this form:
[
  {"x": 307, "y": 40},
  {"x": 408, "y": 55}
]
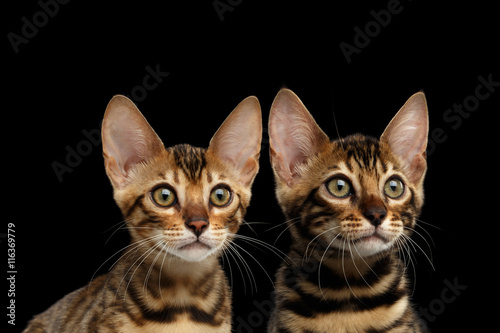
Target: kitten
[
  {"x": 182, "y": 206},
  {"x": 351, "y": 205}
]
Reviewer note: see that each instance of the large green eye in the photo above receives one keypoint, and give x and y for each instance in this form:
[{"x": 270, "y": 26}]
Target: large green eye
[
  {"x": 220, "y": 196},
  {"x": 339, "y": 187},
  {"x": 394, "y": 188},
  {"x": 164, "y": 196}
]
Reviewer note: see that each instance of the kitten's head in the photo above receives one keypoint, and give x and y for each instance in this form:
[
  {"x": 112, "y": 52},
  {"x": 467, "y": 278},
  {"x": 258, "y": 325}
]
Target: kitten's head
[
  {"x": 184, "y": 200},
  {"x": 358, "y": 194}
]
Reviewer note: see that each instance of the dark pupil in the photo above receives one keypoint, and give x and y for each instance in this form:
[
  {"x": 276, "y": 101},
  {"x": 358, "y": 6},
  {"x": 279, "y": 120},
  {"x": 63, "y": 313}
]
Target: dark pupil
[
  {"x": 220, "y": 194},
  {"x": 165, "y": 194},
  {"x": 393, "y": 185},
  {"x": 340, "y": 185}
]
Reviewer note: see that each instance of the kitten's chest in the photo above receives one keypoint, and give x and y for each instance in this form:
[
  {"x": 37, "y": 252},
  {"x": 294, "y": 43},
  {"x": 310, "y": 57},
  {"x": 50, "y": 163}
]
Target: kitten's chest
[
  {"x": 182, "y": 324},
  {"x": 175, "y": 307}
]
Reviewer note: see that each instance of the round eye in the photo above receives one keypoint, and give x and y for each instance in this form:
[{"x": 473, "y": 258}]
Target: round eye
[
  {"x": 339, "y": 187},
  {"x": 220, "y": 196},
  {"x": 394, "y": 188},
  {"x": 164, "y": 197}
]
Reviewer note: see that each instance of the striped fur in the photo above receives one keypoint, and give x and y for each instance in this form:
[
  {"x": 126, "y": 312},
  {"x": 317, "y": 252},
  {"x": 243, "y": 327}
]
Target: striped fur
[
  {"x": 345, "y": 272},
  {"x": 169, "y": 278}
]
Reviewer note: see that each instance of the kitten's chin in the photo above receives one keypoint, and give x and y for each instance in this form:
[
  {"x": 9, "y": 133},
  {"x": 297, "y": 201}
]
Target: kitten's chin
[
  {"x": 195, "y": 252},
  {"x": 363, "y": 247},
  {"x": 369, "y": 246}
]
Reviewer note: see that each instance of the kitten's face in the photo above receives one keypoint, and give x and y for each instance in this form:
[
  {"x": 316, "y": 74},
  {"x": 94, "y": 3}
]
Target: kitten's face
[
  {"x": 183, "y": 200},
  {"x": 187, "y": 199},
  {"x": 359, "y": 195},
  {"x": 356, "y": 198}
]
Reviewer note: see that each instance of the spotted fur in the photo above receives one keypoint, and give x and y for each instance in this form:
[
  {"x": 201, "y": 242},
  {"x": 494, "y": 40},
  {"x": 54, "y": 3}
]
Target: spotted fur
[
  {"x": 169, "y": 278},
  {"x": 344, "y": 272}
]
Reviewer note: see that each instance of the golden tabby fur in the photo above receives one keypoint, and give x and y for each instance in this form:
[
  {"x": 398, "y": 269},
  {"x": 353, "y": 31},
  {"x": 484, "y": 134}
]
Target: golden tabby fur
[{"x": 182, "y": 206}]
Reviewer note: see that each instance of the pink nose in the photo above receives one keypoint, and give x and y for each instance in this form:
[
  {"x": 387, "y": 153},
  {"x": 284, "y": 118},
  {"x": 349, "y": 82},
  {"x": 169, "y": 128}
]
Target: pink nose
[{"x": 197, "y": 226}]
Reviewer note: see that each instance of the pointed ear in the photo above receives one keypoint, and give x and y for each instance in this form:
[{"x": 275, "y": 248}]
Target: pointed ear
[
  {"x": 294, "y": 135},
  {"x": 407, "y": 134},
  {"x": 127, "y": 139},
  {"x": 238, "y": 139}
]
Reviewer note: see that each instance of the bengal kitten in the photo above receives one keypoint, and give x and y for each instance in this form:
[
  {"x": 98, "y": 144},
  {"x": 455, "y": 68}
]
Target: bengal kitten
[
  {"x": 351, "y": 205},
  {"x": 182, "y": 206}
]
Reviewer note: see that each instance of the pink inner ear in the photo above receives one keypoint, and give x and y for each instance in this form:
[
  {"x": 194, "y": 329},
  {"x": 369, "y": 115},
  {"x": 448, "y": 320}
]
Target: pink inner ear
[
  {"x": 294, "y": 135},
  {"x": 238, "y": 140},
  {"x": 407, "y": 133},
  {"x": 408, "y": 137},
  {"x": 127, "y": 138}
]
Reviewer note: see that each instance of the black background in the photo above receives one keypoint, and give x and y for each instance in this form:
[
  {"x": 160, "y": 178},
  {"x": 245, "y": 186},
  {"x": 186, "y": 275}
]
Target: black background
[{"x": 61, "y": 79}]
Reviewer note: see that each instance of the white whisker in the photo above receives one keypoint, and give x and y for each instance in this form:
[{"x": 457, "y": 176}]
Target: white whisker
[
  {"x": 232, "y": 249},
  {"x": 320, "y": 263},
  {"x": 251, "y": 256},
  {"x": 224, "y": 255},
  {"x": 312, "y": 240},
  {"x": 282, "y": 255},
  {"x": 135, "y": 249},
  {"x": 146, "y": 279},
  {"x": 355, "y": 266},
  {"x": 411, "y": 241},
  {"x": 279, "y": 225},
  {"x": 249, "y": 225},
  {"x": 165, "y": 252},
  {"x": 343, "y": 270},
  {"x": 121, "y": 226},
  {"x": 133, "y": 246},
  {"x": 429, "y": 224}
]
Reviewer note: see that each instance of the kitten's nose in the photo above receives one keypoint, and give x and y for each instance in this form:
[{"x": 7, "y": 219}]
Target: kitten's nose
[
  {"x": 373, "y": 209},
  {"x": 197, "y": 226},
  {"x": 375, "y": 215}
]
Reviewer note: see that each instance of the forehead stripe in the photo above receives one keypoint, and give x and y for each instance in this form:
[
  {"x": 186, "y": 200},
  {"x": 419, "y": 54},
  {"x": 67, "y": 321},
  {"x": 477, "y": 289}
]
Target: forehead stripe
[{"x": 190, "y": 159}]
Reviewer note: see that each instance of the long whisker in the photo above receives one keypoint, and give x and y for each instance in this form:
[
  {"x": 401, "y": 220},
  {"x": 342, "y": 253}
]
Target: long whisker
[
  {"x": 135, "y": 249},
  {"x": 305, "y": 258},
  {"x": 411, "y": 241},
  {"x": 428, "y": 234},
  {"x": 228, "y": 263},
  {"x": 406, "y": 247},
  {"x": 165, "y": 252},
  {"x": 338, "y": 132},
  {"x": 133, "y": 246},
  {"x": 121, "y": 225},
  {"x": 148, "y": 274},
  {"x": 421, "y": 236},
  {"x": 362, "y": 259},
  {"x": 258, "y": 263},
  {"x": 343, "y": 270},
  {"x": 282, "y": 232},
  {"x": 279, "y": 225},
  {"x": 429, "y": 224},
  {"x": 232, "y": 249},
  {"x": 249, "y": 225},
  {"x": 320, "y": 263},
  {"x": 229, "y": 250},
  {"x": 143, "y": 256},
  {"x": 282, "y": 255}
]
